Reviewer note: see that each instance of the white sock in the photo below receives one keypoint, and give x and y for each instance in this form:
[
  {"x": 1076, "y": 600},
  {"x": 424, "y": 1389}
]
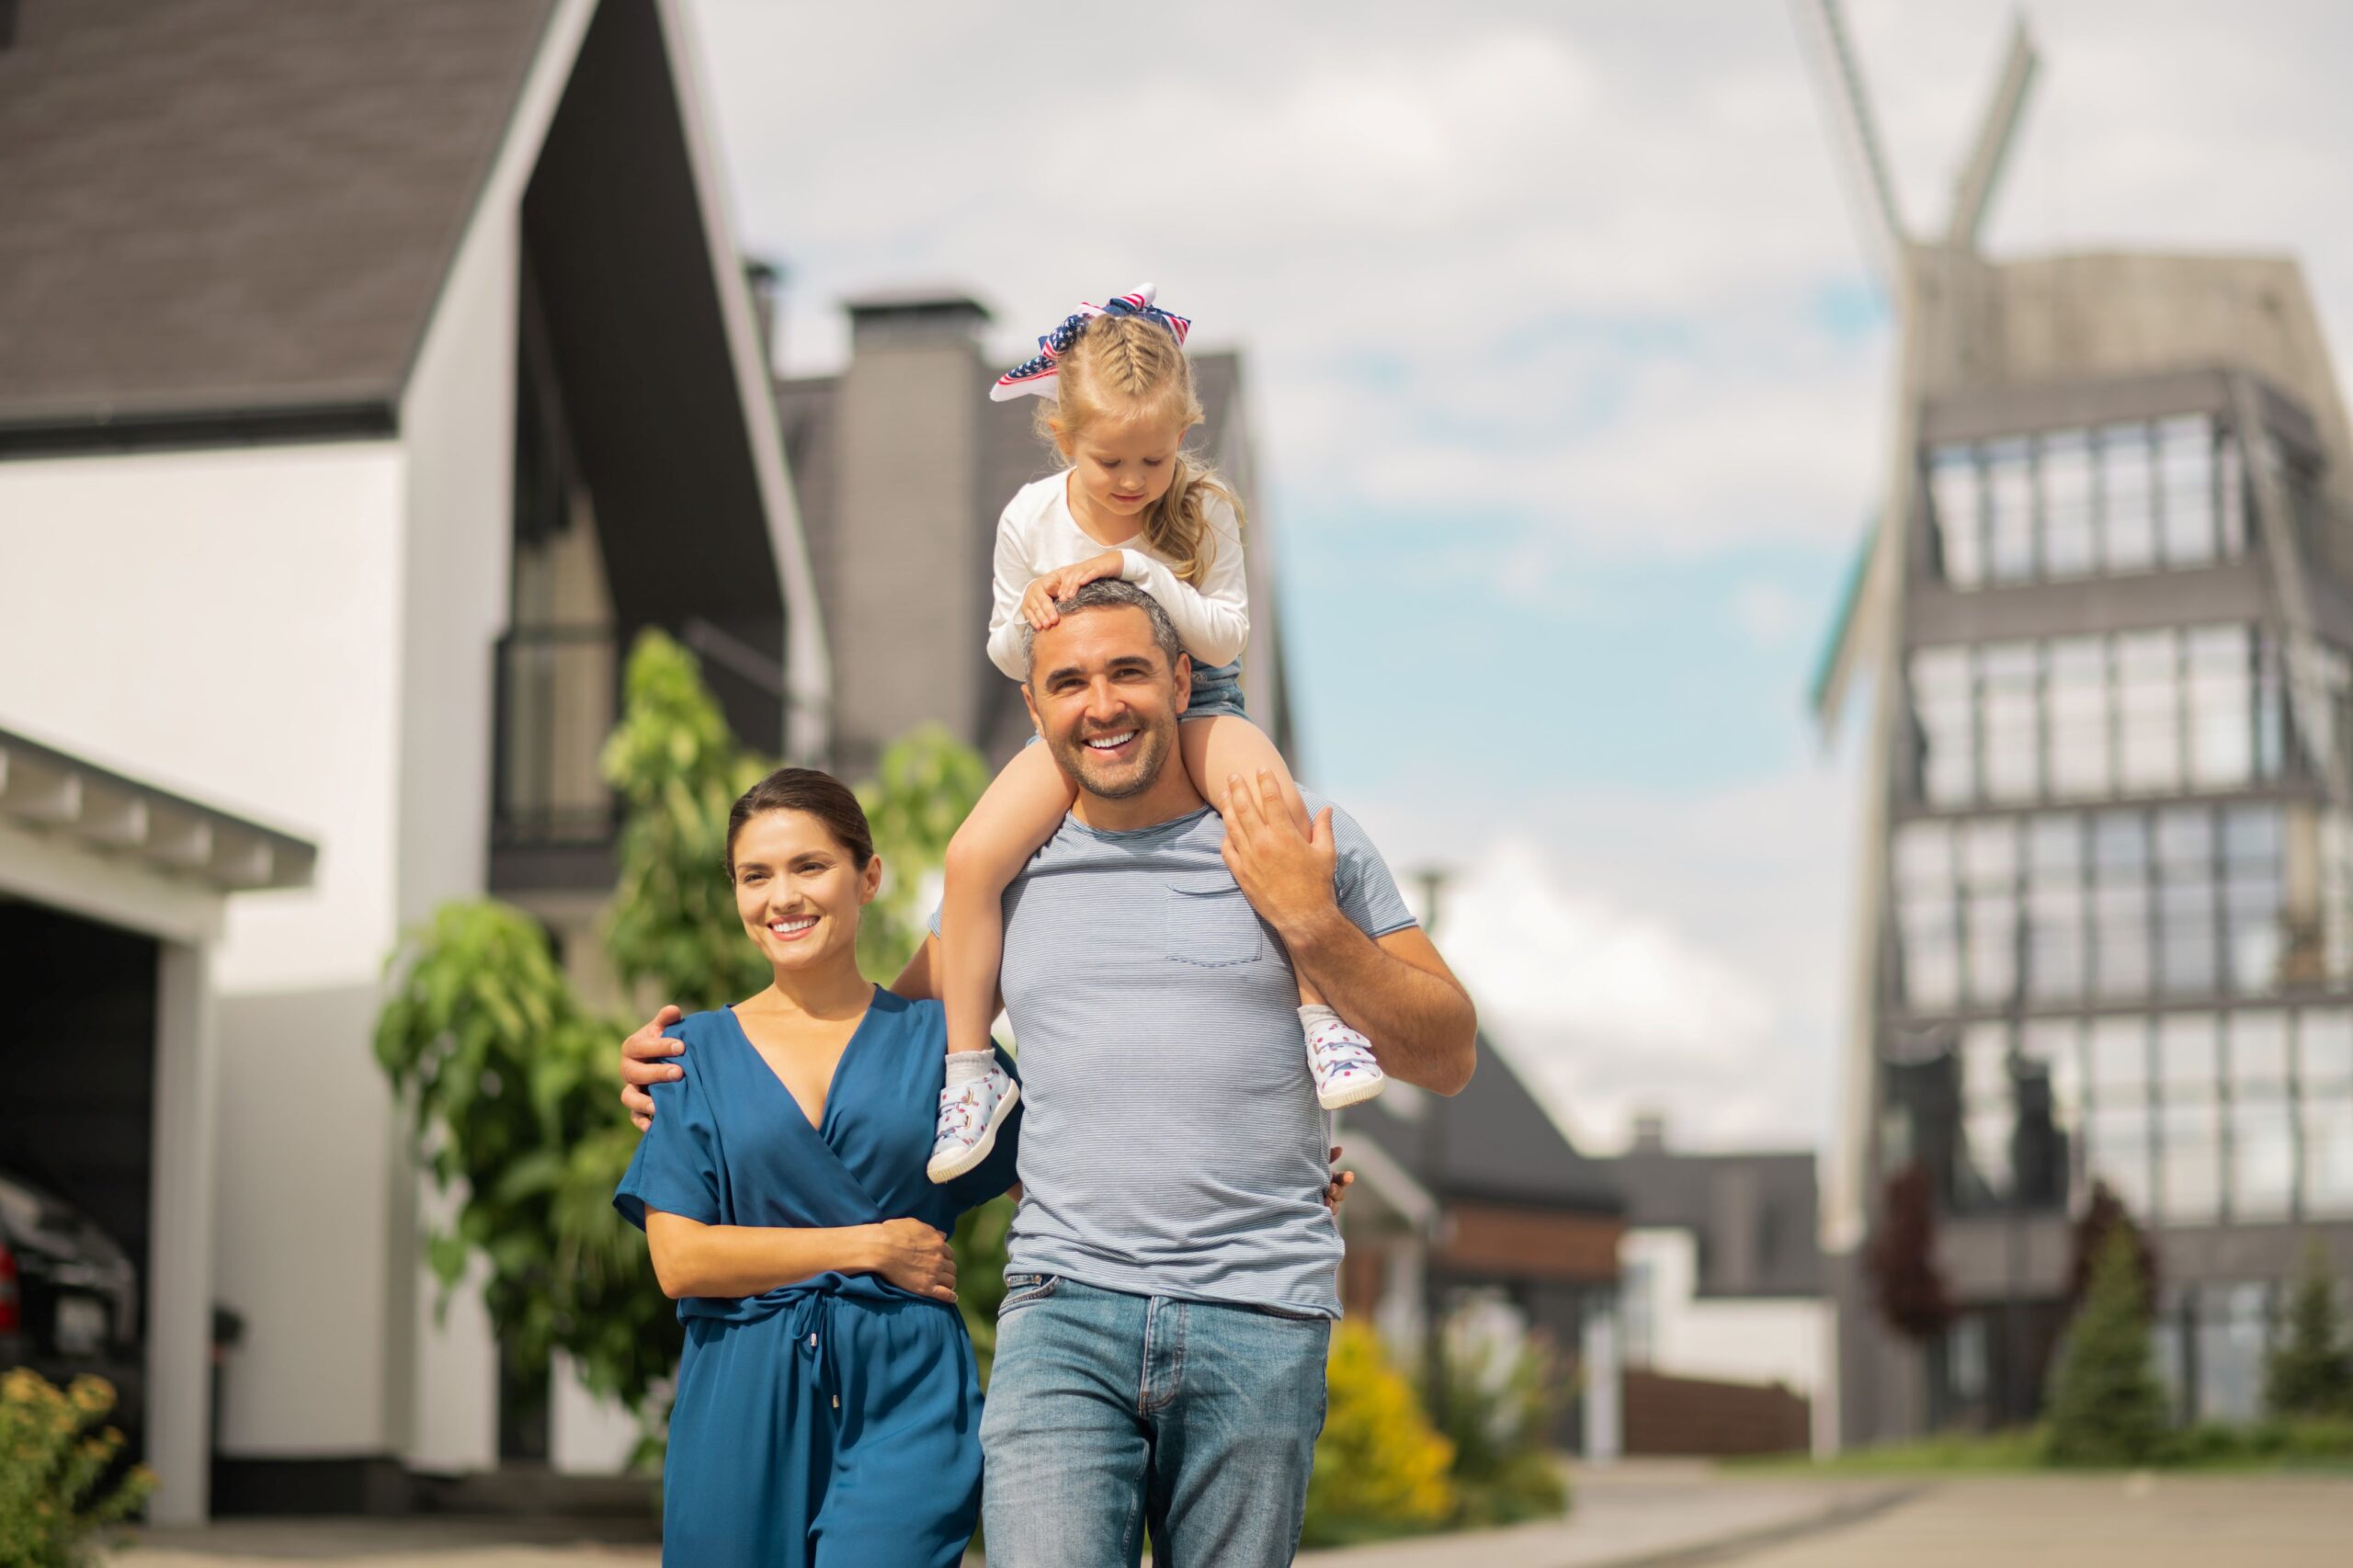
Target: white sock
[
  {"x": 1315, "y": 1012},
  {"x": 969, "y": 1066}
]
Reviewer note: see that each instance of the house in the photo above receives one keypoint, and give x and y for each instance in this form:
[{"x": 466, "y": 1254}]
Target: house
[
  {"x": 369, "y": 376},
  {"x": 902, "y": 466},
  {"x": 1725, "y": 1329},
  {"x": 1479, "y": 1195}
]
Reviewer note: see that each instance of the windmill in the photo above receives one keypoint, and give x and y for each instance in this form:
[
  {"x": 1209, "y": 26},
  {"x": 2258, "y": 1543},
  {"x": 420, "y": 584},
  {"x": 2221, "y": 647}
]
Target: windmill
[{"x": 1865, "y": 639}]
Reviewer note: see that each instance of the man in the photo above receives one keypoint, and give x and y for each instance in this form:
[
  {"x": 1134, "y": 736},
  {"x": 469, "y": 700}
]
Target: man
[{"x": 1173, "y": 1271}]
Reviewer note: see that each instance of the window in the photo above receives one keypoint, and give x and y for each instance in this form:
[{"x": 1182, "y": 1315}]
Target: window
[
  {"x": 2069, "y": 503},
  {"x": 1944, "y": 699},
  {"x": 2128, "y": 517},
  {"x": 2263, "y": 1153},
  {"x": 2187, "y": 961},
  {"x": 2080, "y": 762},
  {"x": 2221, "y": 706},
  {"x": 2252, "y": 896},
  {"x": 2081, "y": 718},
  {"x": 2189, "y": 1163},
  {"x": 1955, "y": 499},
  {"x": 2329, "y": 1153},
  {"x": 2234, "y": 1326},
  {"x": 2184, "y": 450},
  {"x": 2056, "y": 953},
  {"x": 2121, "y": 955},
  {"x": 2148, "y": 697},
  {"x": 2009, "y": 511},
  {"x": 2012, "y": 705}
]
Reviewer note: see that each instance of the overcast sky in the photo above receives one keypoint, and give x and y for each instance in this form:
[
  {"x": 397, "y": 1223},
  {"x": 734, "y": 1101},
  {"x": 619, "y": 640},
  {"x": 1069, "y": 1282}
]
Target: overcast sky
[{"x": 1568, "y": 378}]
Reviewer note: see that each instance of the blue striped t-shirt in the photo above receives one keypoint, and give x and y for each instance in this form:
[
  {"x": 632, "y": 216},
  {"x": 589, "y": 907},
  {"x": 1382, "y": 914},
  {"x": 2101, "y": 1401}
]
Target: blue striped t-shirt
[{"x": 1171, "y": 1144}]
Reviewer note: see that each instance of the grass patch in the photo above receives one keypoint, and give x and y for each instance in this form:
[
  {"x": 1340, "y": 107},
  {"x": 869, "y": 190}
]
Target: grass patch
[{"x": 2318, "y": 1445}]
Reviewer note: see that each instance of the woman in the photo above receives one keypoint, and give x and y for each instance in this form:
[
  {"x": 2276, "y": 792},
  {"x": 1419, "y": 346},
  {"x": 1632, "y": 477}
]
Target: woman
[{"x": 827, "y": 1410}]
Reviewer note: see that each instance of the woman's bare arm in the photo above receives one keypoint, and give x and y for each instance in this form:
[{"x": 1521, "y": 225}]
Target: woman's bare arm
[{"x": 691, "y": 1258}]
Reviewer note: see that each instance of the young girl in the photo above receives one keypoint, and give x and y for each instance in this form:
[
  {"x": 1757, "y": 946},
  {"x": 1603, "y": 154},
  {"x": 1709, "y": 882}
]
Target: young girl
[{"x": 1128, "y": 502}]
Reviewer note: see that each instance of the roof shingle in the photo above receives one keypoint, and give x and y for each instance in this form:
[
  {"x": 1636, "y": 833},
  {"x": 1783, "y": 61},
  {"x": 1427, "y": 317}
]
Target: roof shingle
[{"x": 215, "y": 206}]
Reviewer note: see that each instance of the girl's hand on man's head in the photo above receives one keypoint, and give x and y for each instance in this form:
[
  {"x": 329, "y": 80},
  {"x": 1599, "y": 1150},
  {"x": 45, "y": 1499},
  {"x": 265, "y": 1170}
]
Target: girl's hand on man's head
[{"x": 1038, "y": 602}]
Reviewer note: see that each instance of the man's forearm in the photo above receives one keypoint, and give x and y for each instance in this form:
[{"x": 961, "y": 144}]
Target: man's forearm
[{"x": 1420, "y": 1021}]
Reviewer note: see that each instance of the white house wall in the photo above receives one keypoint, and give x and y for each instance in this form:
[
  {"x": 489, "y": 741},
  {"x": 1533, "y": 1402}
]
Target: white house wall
[
  {"x": 1734, "y": 1340},
  {"x": 226, "y": 623}
]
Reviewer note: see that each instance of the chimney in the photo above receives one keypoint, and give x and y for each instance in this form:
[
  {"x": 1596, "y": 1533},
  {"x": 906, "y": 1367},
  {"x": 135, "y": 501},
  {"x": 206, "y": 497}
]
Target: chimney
[
  {"x": 913, "y": 317},
  {"x": 1650, "y": 1132},
  {"x": 765, "y": 280}
]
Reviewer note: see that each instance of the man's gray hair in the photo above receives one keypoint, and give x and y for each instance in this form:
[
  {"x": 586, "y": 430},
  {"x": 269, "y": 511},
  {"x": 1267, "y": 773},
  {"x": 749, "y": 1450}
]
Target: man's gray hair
[{"x": 1106, "y": 593}]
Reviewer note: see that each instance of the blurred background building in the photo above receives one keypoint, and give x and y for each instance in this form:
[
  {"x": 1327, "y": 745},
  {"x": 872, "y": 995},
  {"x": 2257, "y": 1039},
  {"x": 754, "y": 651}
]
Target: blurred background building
[{"x": 2106, "y": 892}]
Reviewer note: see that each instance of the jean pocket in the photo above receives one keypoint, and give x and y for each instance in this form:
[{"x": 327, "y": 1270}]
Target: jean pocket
[
  {"x": 1212, "y": 928},
  {"x": 1022, "y": 1289}
]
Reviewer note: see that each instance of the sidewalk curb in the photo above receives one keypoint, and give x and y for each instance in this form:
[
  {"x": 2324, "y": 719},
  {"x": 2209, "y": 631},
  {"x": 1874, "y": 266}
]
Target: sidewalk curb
[{"x": 1755, "y": 1539}]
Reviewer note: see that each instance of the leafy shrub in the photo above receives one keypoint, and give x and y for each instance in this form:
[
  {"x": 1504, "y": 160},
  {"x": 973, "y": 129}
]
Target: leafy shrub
[
  {"x": 1501, "y": 1397},
  {"x": 2105, "y": 1405},
  {"x": 1380, "y": 1468},
  {"x": 1901, "y": 1257},
  {"x": 2310, "y": 1370},
  {"x": 58, "y": 1486}
]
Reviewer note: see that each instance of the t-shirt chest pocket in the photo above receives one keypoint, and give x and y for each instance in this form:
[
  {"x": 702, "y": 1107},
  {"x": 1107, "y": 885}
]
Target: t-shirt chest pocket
[{"x": 1212, "y": 928}]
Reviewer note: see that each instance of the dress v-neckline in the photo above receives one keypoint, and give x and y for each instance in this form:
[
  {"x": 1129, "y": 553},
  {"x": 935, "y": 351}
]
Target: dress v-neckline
[{"x": 833, "y": 1079}]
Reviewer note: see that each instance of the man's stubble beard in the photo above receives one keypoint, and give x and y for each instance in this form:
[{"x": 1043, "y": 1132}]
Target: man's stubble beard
[{"x": 1152, "y": 757}]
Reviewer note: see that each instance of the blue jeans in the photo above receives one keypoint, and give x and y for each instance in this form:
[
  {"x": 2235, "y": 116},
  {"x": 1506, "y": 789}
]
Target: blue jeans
[{"x": 1108, "y": 1413}]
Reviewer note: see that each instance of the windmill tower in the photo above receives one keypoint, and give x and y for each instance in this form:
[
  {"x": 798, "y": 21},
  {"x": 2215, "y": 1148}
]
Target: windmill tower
[{"x": 2104, "y": 898}]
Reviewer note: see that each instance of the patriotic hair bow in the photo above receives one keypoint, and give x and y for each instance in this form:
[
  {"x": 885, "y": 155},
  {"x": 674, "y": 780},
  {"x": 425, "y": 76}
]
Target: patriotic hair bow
[{"x": 1035, "y": 375}]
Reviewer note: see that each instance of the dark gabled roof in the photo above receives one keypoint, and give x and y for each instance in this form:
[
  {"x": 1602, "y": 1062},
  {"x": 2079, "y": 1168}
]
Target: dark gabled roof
[
  {"x": 1754, "y": 1215},
  {"x": 1493, "y": 1140},
  {"x": 211, "y": 208}
]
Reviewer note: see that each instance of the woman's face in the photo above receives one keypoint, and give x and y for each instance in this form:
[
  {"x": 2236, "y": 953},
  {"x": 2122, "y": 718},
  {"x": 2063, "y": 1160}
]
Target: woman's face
[{"x": 798, "y": 890}]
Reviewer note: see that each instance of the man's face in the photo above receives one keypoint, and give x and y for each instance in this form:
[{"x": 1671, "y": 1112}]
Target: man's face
[{"x": 1106, "y": 700}]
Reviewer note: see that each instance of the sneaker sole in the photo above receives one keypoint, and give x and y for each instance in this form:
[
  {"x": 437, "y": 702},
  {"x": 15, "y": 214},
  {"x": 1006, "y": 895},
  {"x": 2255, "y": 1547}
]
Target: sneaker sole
[
  {"x": 943, "y": 1171},
  {"x": 1346, "y": 1095}
]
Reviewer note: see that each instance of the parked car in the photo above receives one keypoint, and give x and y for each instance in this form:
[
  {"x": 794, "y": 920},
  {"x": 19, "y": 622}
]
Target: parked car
[{"x": 69, "y": 1297}]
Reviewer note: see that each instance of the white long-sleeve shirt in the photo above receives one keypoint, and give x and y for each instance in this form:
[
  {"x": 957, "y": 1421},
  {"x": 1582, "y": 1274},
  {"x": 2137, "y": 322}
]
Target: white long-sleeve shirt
[{"x": 1038, "y": 535}]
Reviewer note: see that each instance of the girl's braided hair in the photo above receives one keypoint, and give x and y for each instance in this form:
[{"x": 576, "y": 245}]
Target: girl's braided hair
[{"x": 1125, "y": 368}]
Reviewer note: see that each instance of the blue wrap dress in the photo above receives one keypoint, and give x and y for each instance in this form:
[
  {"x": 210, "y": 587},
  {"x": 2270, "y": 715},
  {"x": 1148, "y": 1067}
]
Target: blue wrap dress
[{"x": 835, "y": 1420}]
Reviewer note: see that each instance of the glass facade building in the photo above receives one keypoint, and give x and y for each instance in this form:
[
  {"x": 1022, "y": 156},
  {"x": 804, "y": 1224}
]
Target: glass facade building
[{"x": 2116, "y": 933}]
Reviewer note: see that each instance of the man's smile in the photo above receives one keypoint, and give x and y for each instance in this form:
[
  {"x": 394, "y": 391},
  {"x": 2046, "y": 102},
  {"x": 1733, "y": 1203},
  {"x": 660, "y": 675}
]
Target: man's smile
[{"x": 1112, "y": 745}]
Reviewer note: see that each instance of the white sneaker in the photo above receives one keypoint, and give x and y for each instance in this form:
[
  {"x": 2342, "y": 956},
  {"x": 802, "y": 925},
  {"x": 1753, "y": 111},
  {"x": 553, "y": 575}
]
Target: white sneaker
[
  {"x": 1342, "y": 1060},
  {"x": 970, "y": 1114}
]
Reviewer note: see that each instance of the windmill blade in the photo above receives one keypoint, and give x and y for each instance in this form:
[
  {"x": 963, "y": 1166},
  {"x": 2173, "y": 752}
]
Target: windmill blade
[
  {"x": 1822, "y": 32},
  {"x": 1974, "y": 191},
  {"x": 1863, "y": 613}
]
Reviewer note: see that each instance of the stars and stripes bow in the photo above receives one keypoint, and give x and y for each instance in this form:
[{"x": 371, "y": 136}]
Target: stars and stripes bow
[{"x": 1034, "y": 377}]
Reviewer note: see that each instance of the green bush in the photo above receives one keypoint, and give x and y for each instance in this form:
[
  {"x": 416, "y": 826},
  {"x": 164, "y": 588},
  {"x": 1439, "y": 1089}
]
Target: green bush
[
  {"x": 2310, "y": 1370},
  {"x": 1380, "y": 1468},
  {"x": 2105, "y": 1405},
  {"x": 1500, "y": 1401},
  {"x": 59, "y": 1489}
]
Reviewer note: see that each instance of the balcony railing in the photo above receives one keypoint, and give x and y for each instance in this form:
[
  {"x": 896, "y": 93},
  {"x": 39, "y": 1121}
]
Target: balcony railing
[{"x": 557, "y": 695}]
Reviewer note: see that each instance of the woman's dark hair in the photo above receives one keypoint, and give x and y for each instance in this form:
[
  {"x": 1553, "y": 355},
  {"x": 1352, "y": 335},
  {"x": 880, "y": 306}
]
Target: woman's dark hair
[{"x": 821, "y": 795}]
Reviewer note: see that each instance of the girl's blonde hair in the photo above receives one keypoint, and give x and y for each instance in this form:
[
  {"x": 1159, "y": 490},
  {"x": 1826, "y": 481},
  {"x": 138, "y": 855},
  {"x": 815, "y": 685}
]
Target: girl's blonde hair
[{"x": 1126, "y": 368}]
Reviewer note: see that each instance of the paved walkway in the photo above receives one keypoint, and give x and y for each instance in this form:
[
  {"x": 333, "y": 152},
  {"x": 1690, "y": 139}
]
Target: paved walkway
[
  {"x": 1641, "y": 1512},
  {"x": 1643, "y": 1516},
  {"x": 2191, "y": 1521},
  {"x": 1625, "y": 1514}
]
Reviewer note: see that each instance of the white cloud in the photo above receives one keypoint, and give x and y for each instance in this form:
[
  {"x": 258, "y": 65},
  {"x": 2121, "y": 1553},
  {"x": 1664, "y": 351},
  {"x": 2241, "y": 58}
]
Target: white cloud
[{"x": 1633, "y": 951}]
